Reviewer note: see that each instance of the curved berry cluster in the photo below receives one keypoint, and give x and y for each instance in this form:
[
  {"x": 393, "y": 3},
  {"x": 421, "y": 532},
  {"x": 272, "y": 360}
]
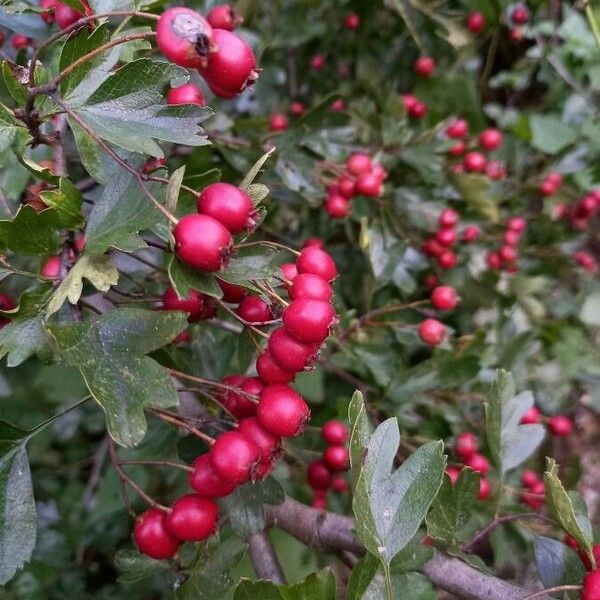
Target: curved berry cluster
[
  {"x": 325, "y": 473},
  {"x": 440, "y": 245},
  {"x": 466, "y": 447},
  {"x": 474, "y": 161},
  {"x": 581, "y": 212},
  {"x": 506, "y": 257},
  {"x": 550, "y": 184}
]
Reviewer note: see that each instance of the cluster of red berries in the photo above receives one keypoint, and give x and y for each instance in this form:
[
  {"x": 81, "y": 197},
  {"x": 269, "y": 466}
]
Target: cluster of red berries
[
  {"x": 360, "y": 177},
  {"x": 223, "y": 59},
  {"x": 413, "y": 106},
  {"x": 550, "y": 184},
  {"x": 50, "y": 268},
  {"x": 63, "y": 14},
  {"x": 325, "y": 473},
  {"x": 506, "y": 257},
  {"x": 581, "y": 212},
  {"x": 533, "y": 495},
  {"x": 517, "y": 19},
  {"x": 558, "y": 425},
  {"x": 466, "y": 446},
  {"x": 439, "y": 246}
]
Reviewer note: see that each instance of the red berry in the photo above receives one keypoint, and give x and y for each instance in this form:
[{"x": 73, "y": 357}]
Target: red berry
[
  {"x": 479, "y": 464},
  {"x": 289, "y": 271},
  {"x": 6, "y": 302},
  {"x": 335, "y": 433},
  {"x": 317, "y": 62},
  {"x": 337, "y": 207},
  {"x": 47, "y": 15},
  {"x": 485, "y": 489},
  {"x": 288, "y": 353},
  {"x": 346, "y": 186},
  {"x": 471, "y": 233},
  {"x": 338, "y": 105},
  {"x": 591, "y": 586},
  {"x": 457, "y": 129},
  {"x": 232, "y": 68},
  {"x": 51, "y": 267},
  {"x": 223, "y": 16},
  {"x": 493, "y": 260},
  {"x": 424, "y": 66},
  {"x": 308, "y": 321},
  {"x": 586, "y": 260},
  {"x": 316, "y": 261},
  {"x": 278, "y": 122},
  {"x": 359, "y": 163},
  {"x": 446, "y": 237},
  {"x": 516, "y": 224},
  {"x": 314, "y": 241},
  {"x": 282, "y": 411},
  {"x": 339, "y": 484},
  {"x": 519, "y": 15},
  {"x": 453, "y": 473},
  {"x": 206, "y": 482},
  {"x": 474, "y": 162},
  {"x": 432, "y": 332},
  {"x": 270, "y": 372},
  {"x": 432, "y": 247},
  {"x": 352, "y": 21},
  {"x": 465, "y": 445},
  {"x": 202, "y": 242},
  {"x": 555, "y": 178},
  {"x": 319, "y": 502},
  {"x": 193, "y": 518},
  {"x": 297, "y": 108},
  {"x": 379, "y": 172},
  {"x": 534, "y": 498},
  {"x": 431, "y": 281},
  {"x": 368, "y": 185},
  {"x": 152, "y": 535},
  {"x": 531, "y": 416},
  {"x": 229, "y": 205},
  {"x": 337, "y": 458},
  {"x": 309, "y": 286},
  {"x": 188, "y": 93},
  {"x": 418, "y": 110},
  {"x": 448, "y": 218},
  {"x": 409, "y": 101},
  {"x": 529, "y": 478},
  {"x": 65, "y": 16},
  {"x": 318, "y": 475},
  {"x": 2, "y": 38},
  {"x": 233, "y": 457},
  {"x": 185, "y": 37},
  {"x": 447, "y": 259},
  {"x": 254, "y": 310},
  {"x": 490, "y": 139},
  {"x": 457, "y": 150},
  {"x": 267, "y": 444},
  {"x": 19, "y": 41},
  {"x": 475, "y": 22},
  {"x": 560, "y": 425},
  {"x": 547, "y": 188},
  {"x": 237, "y": 404},
  {"x": 495, "y": 170},
  {"x": 195, "y": 304},
  {"x": 508, "y": 254},
  {"x": 232, "y": 293},
  {"x": 153, "y": 164},
  {"x": 511, "y": 238},
  {"x": 444, "y": 297}
]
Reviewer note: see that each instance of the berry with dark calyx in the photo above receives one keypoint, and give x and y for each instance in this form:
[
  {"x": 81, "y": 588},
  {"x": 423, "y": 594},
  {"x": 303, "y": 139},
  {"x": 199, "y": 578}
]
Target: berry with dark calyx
[
  {"x": 335, "y": 433},
  {"x": 457, "y": 129},
  {"x": 444, "y": 297},
  {"x": 337, "y": 458},
  {"x": 234, "y": 458},
  {"x": 152, "y": 535},
  {"x": 529, "y": 478},
  {"x": 474, "y": 162},
  {"x": 290, "y": 354},
  {"x": 519, "y": 15},
  {"x": 479, "y": 464},
  {"x": 195, "y": 304},
  {"x": 18, "y": 41},
  {"x": 308, "y": 321},
  {"x": 229, "y": 205},
  {"x": 185, "y": 37},
  {"x": 337, "y": 206},
  {"x": 339, "y": 484},
  {"x": 278, "y": 122},
  {"x": 232, "y": 68},
  {"x": 317, "y": 62},
  {"x": 432, "y": 332},
  {"x": 202, "y": 242},
  {"x": 223, "y": 16},
  {"x": 282, "y": 411},
  {"x": 48, "y": 6},
  {"x": 254, "y": 310},
  {"x": 368, "y": 185},
  {"x": 65, "y": 16},
  {"x": 309, "y": 286},
  {"x": 475, "y": 22},
  {"x": 316, "y": 261},
  {"x": 485, "y": 489},
  {"x": 188, "y": 93},
  {"x": 471, "y": 233},
  {"x": 531, "y": 416},
  {"x": 447, "y": 259},
  {"x": 51, "y": 267},
  {"x": 232, "y": 293},
  {"x": 206, "y": 482},
  {"x": 318, "y": 475},
  {"x": 424, "y": 66},
  {"x": 193, "y": 518},
  {"x": 352, "y": 21},
  {"x": 267, "y": 443},
  {"x": 516, "y": 224},
  {"x": 560, "y": 426},
  {"x": 490, "y": 139},
  {"x": 446, "y": 237},
  {"x": 465, "y": 445},
  {"x": 359, "y": 163},
  {"x": 453, "y": 473},
  {"x": 297, "y": 108},
  {"x": 270, "y": 372}
]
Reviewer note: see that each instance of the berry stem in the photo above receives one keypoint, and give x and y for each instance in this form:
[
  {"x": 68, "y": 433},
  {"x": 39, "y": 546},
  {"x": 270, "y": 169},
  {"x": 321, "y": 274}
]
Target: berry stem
[
  {"x": 210, "y": 382},
  {"x": 269, "y": 244},
  {"x": 211, "y": 398},
  {"x": 271, "y": 293},
  {"x": 168, "y": 418},
  {"x": 158, "y": 463},
  {"x": 244, "y": 322}
]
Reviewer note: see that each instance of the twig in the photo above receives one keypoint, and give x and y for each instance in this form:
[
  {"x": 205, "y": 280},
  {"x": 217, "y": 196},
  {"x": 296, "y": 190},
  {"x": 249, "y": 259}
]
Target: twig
[
  {"x": 211, "y": 383},
  {"x": 158, "y": 463},
  {"x": 183, "y": 425},
  {"x": 264, "y": 559},
  {"x": 245, "y": 323},
  {"x": 95, "y": 473}
]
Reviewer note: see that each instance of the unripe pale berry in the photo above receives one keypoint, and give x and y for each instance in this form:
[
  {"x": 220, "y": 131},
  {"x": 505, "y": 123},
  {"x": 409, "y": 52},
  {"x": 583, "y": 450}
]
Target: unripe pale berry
[
  {"x": 233, "y": 457},
  {"x": 424, "y": 66},
  {"x": 337, "y": 458},
  {"x": 490, "y": 139},
  {"x": 206, "y": 482},
  {"x": 254, "y": 310},
  {"x": 152, "y": 535},
  {"x": 282, "y": 411},
  {"x": 223, "y": 16},
  {"x": 316, "y": 261},
  {"x": 193, "y": 518},
  {"x": 465, "y": 445},
  {"x": 290, "y": 354},
  {"x": 202, "y": 242},
  {"x": 432, "y": 332},
  {"x": 560, "y": 425},
  {"x": 270, "y": 372},
  {"x": 308, "y": 321},
  {"x": 309, "y": 286},
  {"x": 335, "y": 432},
  {"x": 318, "y": 475},
  {"x": 188, "y": 93},
  {"x": 229, "y": 205}
]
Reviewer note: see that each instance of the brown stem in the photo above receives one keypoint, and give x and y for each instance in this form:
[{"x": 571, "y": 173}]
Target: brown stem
[
  {"x": 168, "y": 418},
  {"x": 158, "y": 463},
  {"x": 245, "y": 323},
  {"x": 186, "y": 188},
  {"x": 270, "y": 244},
  {"x": 271, "y": 294},
  {"x": 264, "y": 559},
  {"x": 210, "y": 382}
]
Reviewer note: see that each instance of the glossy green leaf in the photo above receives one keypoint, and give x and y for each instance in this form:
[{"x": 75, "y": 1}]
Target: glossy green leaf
[
  {"x": 32, "y": 233},
  {"x": 185, "y": 278}
]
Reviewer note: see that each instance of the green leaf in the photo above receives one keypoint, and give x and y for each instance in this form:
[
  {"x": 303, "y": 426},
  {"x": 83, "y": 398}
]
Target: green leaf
[
  {"x": 550, "y": 134},
  {"x": 258, "y": 192},
  {"x": 255, "y": 170},
  {"x": 360, "y": 432},
  {"x": 510, "y": 443},
  {"x": 17, "y": 505},
  {"x": 66, "y": 200},
  {"x": 12, "y": 131},
  {"x": 129, "y": 109},
  {"x": 453, "y": 507},
  {"x": 185, "y": 278},
  {"x": 253, "y": 262},
  {"x": 109, "y": 353},
  {"x": 475, "y": 191},
  {"x": 21, "y": 339},
  {"x": 98, "y": 270},
  {"x": 390, "y": 505},
  {"x": 32, "y": 233},
  {"x": 361, "y": 577},
  {"x": 319, "y": 586},
  {"x": 556, "y": 563},
  {"x": 173, "y": 187},
  {"x": 562, "y": 509},
  {"x": 245, "y": 505},
  {"x": 212, "y": 578},
  {"x": 135, "y": 566}
]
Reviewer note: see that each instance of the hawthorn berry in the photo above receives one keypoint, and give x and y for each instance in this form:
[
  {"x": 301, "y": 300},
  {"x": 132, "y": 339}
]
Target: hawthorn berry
[
  {"x": 233, "y": 457},
  {"x": 185, "y": 37},
  {"x": 490, "y": 139},
  {"x": 529, "y": 478},
  {"x": 18, "y": 41},
  {"x": 485, "y": 489},
  {"x": 337, "y": 458},
  {"x": 47, "y": 14},
  {"x": 334, "y": 432},
  {"x": 432, "y": 332},
  {"x": 447, "y": 259},
  {"x": 471, "y": 233},
  {"x": 232, "y": 293},
  {"x": 229, "y": 205},
  {"x": 234, "y": 402},
  {"x": 338, "y": 105},
  {"x": 254, "y": 310},
  {"x": 289, "y": 271},
  {"x": 223, "y": 16},
  {"x": 424, "y": 66},
  {"x": 290, "y": 354},
  {"x": 65, "y": 16},
  {"x": 352, "y": 21},
  {"x": 202, "y": 242},
  {"x": 466, "y": 445},
  {"x": 297, "y": 108},
  {"x": 6, "y": 302},
  {"x": 508, "y": 254},
  {"x": 457, "y": 150},
  {"x": 317, "y": 62},
  {"x": 418, "y": 110},
  {"x": 511, "y": 238},
  {"x": 547, "y": 188},
  {"x": 193, "y": 518},
  {"x": 531, "y": 416},
  {"x": 516, "y": 224},
  {"x": 195, "y": 304},
  {"x": 431, "y": 281},
  {"x": 474, "y": 162},
  {"x": 495, "y": 170},
  {"x": 337, "y": 206},
  {"x": 308, "y": 321},
  {"x": 339, "y": 484},
  {"x": 270, "y": 372},
  {"x": 51, "y": 267},
  {"x": 316, "y": 261},
  {"x": 457, "y": 129},
  {"x": 368, "y": 185},
  {"x": 591, "y": 586},
  {"x": 319, "y": 502},
  {"x": 152, "y": 535},
  {"x": 534, "y": 498},
  {"x": 359, "y": 164},
  {"x": 478, "y": 463},
  {"x": 278, "y": 122},
  {"x": 188, "y": 93},
  {"x": 282, "y": 411},
  {"x": 206, "y": 482},
  {"x": 444, "y": 297},
  {"x": 318, "y": 475},
  {"x": 586, "y": 260},
  {"x": 448, "y": 218},
  {"x": 232, "y": 68},
  {"x": 519, "y": 15},
  {"x": 493, "y": 260},
  {"x": 446, "y": 237},
  {"x": 309, "y": 286},
  {"x": 475, "y": 22},
  {"x": 267, "y": 443},
  {"x": 560, "y": 426}
]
